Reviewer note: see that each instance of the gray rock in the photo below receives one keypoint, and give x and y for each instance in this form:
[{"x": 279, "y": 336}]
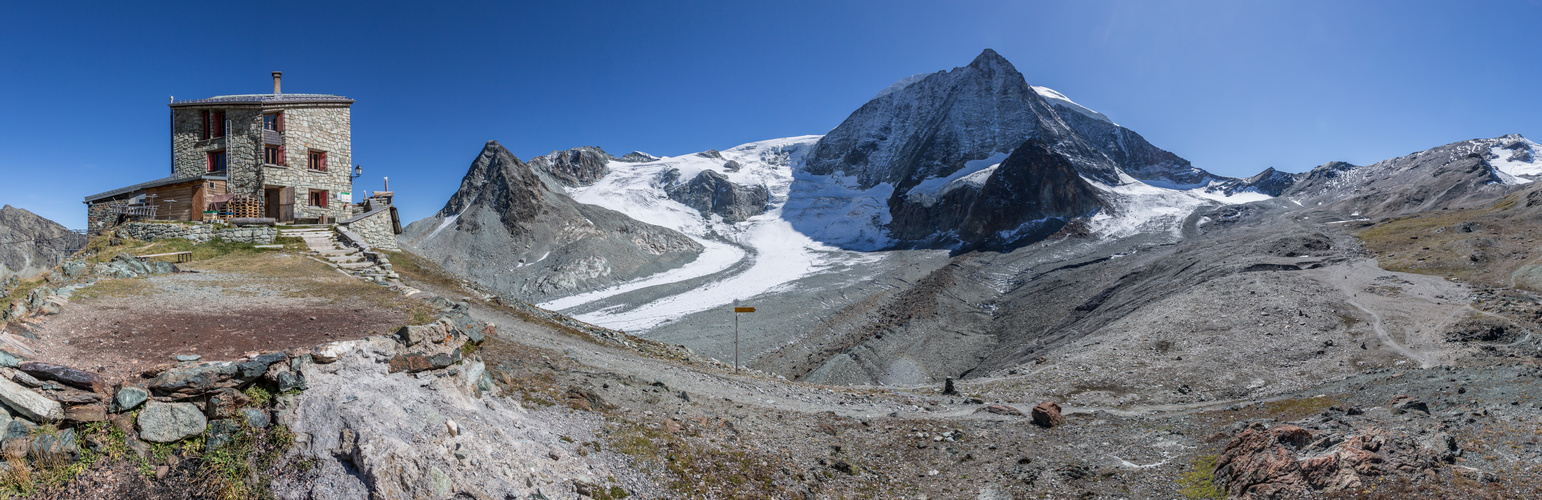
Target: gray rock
[
  {"x": 27, "y": 380},
  {"x": 575, "y": 167},
  {"x": 711, "y": 193},
  {"x": 29, "y": 404},
  {"x": 255, "y": 418},
  {"x": 188, "y": 357},
  {"x": 129, "y": 398},
  {"x": 8, "y": 360},
  {"x": 57, "y": 449},
  {"x": 170, "y": 422},
  {"x": 221, "y": 433}
]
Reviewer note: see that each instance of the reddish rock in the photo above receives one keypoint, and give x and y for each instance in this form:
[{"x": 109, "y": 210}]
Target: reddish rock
[
  {"x": 1047, "y": 415},
  {"x": 92, "y": 412},
  {"x": 1285, "y": 461},
  {"x": 416, "y": 362}
]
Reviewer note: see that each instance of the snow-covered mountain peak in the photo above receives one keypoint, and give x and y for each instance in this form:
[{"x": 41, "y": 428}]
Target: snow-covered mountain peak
[
  {"x": 1517, "y": 157},
  {"x": 1061, "y": 101}
]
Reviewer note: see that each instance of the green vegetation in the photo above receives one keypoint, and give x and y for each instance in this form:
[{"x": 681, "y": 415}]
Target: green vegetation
[
  {"x": 1199, "y": 481},
  {"x": 258, "y": 395}
]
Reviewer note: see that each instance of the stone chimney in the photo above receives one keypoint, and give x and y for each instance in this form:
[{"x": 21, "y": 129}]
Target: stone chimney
[{"x": 277, "y": 76}]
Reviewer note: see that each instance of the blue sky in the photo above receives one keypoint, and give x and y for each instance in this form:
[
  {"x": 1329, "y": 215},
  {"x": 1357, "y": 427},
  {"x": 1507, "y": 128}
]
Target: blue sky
[{"x": 1232, "y": 86}]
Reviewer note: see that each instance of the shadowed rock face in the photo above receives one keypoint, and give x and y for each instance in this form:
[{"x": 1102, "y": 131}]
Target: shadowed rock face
[
  {"x": 507, "y": 229},
  {"x": 711, "y": 193},
  {"x": 1030, "y": 195},
  {"x": 574, "y": 167},
  {"x": 31, "y": 244}
]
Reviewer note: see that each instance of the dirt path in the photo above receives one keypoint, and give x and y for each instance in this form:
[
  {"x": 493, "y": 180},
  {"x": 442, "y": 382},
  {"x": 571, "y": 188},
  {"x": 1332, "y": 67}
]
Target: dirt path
[{"x": 1424, "y": 300}]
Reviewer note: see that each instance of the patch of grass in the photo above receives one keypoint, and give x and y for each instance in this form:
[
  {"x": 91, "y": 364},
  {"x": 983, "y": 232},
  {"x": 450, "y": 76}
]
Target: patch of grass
[
  {"x": 703, "y": 470},
  {"x": 258, "y": 395},
  {"x": 1199, "y": 481},
  {"x": 114, "y": 288},
  {"x": 23, "y": 287}
]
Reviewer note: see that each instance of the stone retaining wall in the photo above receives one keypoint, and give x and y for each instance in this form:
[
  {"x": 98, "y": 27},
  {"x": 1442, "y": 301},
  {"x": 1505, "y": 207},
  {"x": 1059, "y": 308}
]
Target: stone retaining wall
[
  {"x": 377, "y": 227},
  {"x": 197, "y": 233}
]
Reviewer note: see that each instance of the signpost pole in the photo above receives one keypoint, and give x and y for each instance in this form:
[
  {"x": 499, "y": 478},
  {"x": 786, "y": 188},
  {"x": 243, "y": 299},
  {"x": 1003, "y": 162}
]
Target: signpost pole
[
  {"x": 737, "y": 310},
  {"x": 736, "y": 341}
]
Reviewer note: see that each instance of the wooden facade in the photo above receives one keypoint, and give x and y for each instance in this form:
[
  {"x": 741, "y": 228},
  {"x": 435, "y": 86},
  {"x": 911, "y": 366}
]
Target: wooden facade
[{"x": 185, "y": 200}]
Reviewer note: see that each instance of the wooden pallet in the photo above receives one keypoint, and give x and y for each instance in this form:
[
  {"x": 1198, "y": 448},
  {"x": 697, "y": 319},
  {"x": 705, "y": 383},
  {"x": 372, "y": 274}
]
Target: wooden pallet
[{"x": 244, "y": 206}]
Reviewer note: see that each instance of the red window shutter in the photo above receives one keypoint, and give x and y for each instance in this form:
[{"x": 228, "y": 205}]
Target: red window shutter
[
  {"x": 280, "y": 121},
  {"x": 205, "y": 124},
  {"x": 324, "y": 197},
  {"x": 281, "y": 155},
  {"x": 323, "y": 161}
]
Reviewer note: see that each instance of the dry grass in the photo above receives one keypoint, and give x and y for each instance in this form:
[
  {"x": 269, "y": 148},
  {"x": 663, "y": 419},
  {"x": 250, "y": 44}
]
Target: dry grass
[
  {"x": 417, "y": 268},
  {"x": 1431, "y": 243}
]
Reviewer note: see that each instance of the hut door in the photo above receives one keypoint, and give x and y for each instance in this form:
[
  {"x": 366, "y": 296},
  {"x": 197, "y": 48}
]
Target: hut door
[
  {"x": 198, "y": 203},
  {"x": 286, "y": 204}
]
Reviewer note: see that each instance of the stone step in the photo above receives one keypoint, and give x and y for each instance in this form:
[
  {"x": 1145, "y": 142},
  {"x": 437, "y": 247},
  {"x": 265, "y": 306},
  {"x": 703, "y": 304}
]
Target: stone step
[{"x": 356, "y": 265}]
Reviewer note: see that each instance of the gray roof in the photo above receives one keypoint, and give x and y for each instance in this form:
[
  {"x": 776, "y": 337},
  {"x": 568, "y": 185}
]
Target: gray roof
[
  {"x": 265, "y": 99},
  {"x": 147, "y": 185}
]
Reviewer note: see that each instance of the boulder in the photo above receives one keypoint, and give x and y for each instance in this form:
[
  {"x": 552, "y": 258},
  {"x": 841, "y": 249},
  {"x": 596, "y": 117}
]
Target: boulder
[
  {"x": 1404, "y": 403},
  {"x": 1047, "y": 415},
  {"x": 256, "y": 418},
  {"x": 129, "y": 398},
  {"x": 54, "y": 449},
  {"x": 221, "y": 433},
  {"x": 225, "y": 403},
  {"x": 29, "y": 404},
  {"x": 332, "y": 352},
  {"x": 170, "y": 422},
  {"x": 1001, "y": 410},
  {"x": 412, "y": 335},
  {"x": 90, "y": 412},
  {"x": 416, "y": 362},
  {"x": 18, "y": 439},
  {"x": 191, "y": 380},
  {"x": 63, "y": 374}
]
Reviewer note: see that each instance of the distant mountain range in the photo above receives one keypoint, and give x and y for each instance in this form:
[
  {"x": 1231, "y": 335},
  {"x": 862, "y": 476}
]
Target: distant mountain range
[{"x": 960, "y": 222}]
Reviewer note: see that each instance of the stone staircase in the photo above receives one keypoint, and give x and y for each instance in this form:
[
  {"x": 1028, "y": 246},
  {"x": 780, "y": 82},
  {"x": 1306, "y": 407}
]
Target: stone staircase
[{"x": 367, "y": 265}]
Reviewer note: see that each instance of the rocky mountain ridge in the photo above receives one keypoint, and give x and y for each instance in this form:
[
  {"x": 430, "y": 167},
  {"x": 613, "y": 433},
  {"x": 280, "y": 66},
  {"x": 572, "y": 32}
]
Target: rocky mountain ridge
[
  {"x": 518, "y": 235},
  {"x": 31, "y": 244}
]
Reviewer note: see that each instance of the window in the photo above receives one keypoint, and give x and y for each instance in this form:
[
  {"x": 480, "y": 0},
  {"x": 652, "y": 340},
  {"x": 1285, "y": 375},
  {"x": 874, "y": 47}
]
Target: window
[
  {"x": 318, "y": 161},
  {"x": 272, "y": 155},
  {"x": 216, "y": 161},
  {"x": 213, "y": 124},
  {"x": 318, "y": 198},
  {"x": 273, "y": 121}
]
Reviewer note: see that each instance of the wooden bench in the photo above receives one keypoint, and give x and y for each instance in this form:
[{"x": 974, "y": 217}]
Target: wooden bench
[{"x": 180, "y": 256}]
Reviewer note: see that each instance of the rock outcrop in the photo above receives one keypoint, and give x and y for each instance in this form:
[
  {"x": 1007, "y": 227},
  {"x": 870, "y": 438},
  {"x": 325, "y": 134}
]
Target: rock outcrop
[
  {"x": 1287, "y": 461},
  {"x": 513, "y": 233},
  {"x": 31, "y": 244},
  {"x": 711, "y": 193},
  {"x": 1031, "y": 194},
  {"x": 580, "y": 166}
]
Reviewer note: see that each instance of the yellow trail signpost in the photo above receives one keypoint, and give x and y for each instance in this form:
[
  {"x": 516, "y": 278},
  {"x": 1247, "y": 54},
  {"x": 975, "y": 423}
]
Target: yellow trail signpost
[{"x": 738, "y": 310}]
